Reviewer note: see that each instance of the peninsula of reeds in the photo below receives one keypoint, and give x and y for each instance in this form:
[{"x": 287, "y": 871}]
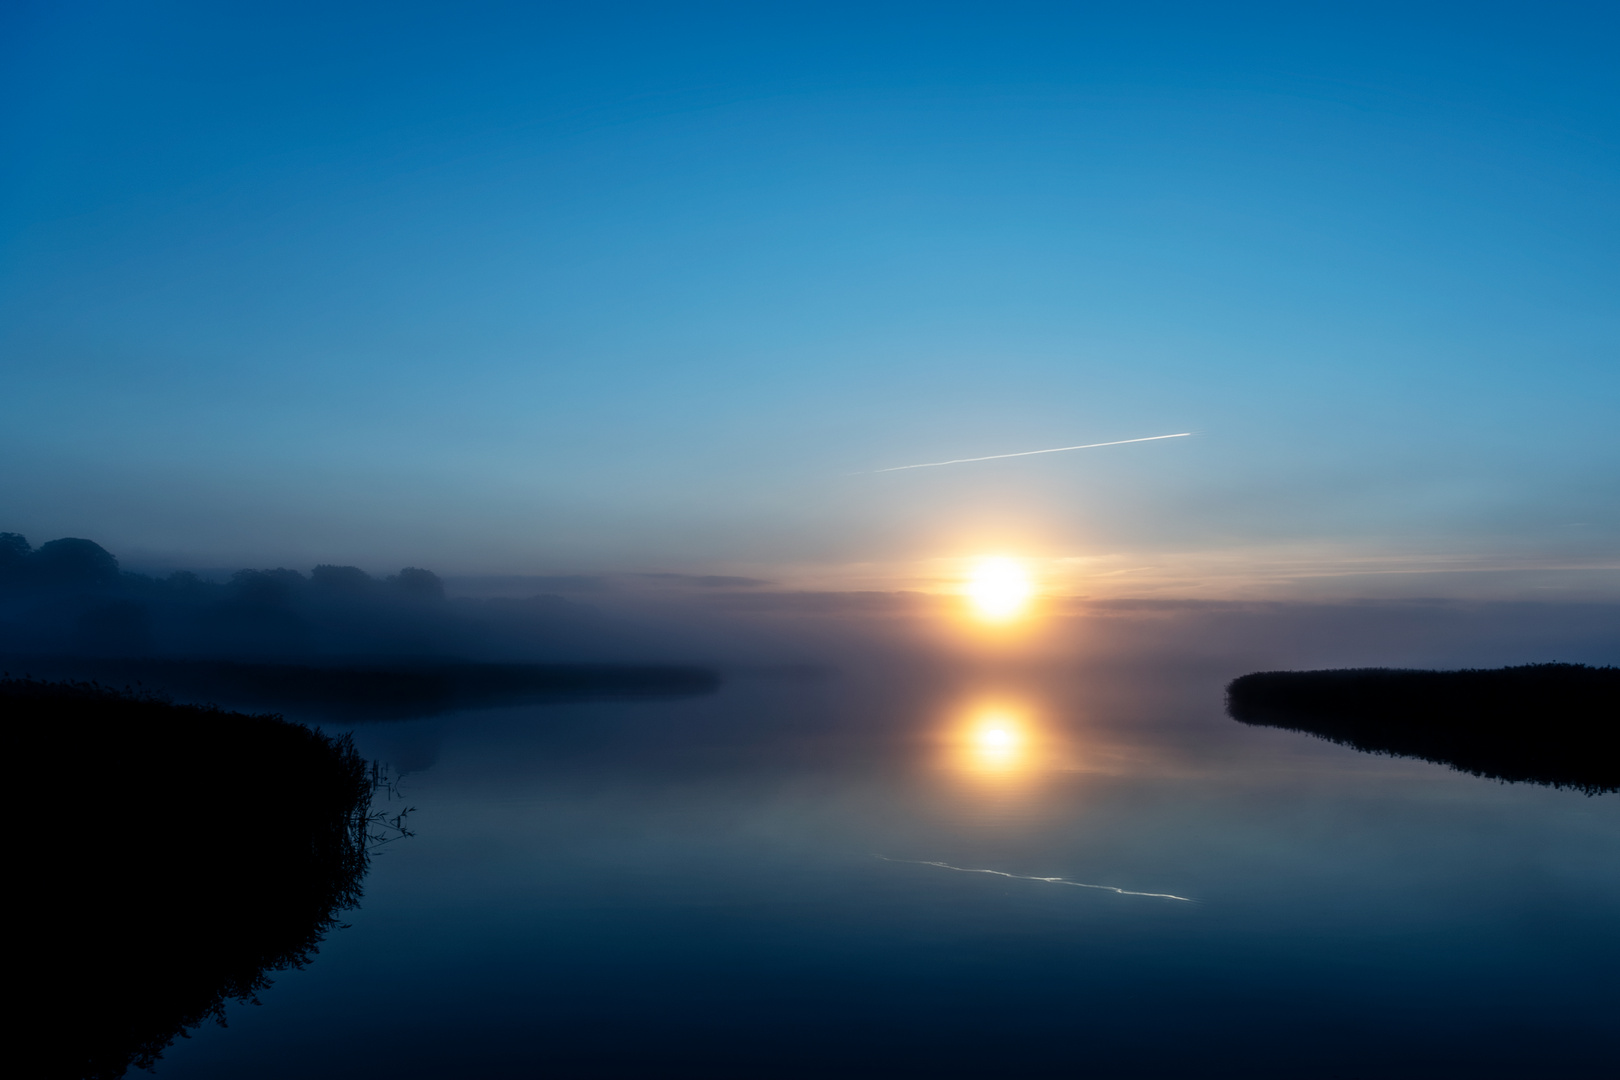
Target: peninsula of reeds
[{"x": 1556, "y": 724}]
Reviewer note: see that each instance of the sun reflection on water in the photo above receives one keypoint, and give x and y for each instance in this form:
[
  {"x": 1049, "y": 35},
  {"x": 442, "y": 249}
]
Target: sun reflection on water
[
  {"x": 997, "y": 740},
  {"x": 1005, "y": 761}
]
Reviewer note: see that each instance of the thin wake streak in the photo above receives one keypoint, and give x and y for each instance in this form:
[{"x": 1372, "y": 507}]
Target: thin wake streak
[
  {"x": 1048, "y": 880},
  {"x": 1030, "y": 453}
]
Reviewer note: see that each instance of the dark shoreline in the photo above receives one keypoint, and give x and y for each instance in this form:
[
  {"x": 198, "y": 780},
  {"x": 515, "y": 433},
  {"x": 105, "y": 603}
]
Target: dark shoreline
[
  {"x": 372, "y": 690},
  {"x": 1553, "y": 724},
  {"x": 169, "y": 858}
]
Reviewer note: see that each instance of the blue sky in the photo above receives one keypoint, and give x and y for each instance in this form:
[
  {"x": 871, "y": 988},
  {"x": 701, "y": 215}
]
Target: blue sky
[{"x": 641, "y": 287}]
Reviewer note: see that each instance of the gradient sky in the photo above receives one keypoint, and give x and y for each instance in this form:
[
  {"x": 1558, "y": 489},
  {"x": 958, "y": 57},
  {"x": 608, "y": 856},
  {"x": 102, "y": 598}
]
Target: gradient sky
[{"x": 595, "y": 287}]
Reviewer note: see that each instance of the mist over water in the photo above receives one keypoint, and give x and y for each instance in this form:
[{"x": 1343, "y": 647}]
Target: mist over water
[{"x": 762, "y": 881}]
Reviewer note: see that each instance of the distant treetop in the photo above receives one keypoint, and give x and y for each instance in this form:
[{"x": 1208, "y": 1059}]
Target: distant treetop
[
  {"x": 13, "y": 554},
  {"x": 340, "y": 579},
  {"x": 72, "y": 561},
  {"x": 419, "y": 583},
  {"x": 278, "y": 586}
]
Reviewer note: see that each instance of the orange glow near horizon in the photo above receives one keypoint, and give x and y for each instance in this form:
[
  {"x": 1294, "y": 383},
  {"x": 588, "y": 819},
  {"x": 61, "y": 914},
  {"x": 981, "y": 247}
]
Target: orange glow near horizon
[{"x": 999, "y": 590}]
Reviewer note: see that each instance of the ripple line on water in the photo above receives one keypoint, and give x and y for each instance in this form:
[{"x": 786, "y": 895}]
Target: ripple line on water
[{"x": 1047, "y": 880}]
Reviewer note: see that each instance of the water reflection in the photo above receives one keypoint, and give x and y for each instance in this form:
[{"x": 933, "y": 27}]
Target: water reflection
[
  {"x": 992, "y": 739},
  {"x": 1043, "y": 880},
  {"x": 689, "y": 888},
  {"x": 998, "y": 741},
  {"x": 1004, "y": 746}
]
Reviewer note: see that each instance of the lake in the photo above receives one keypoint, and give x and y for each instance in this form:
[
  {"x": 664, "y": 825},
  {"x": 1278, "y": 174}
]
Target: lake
[{"x": 940, "y": 870}]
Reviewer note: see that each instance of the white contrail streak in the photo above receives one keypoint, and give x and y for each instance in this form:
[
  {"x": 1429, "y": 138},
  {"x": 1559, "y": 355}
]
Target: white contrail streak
[
  {"x": 1027, "y": 453},
  {"x": 1048, "y": 880}
]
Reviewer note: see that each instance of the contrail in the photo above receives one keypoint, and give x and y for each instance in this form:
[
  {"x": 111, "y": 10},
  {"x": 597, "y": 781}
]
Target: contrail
[
  {"x": 1027, "y": 453},
  {"x": 1048, "y": 880}
]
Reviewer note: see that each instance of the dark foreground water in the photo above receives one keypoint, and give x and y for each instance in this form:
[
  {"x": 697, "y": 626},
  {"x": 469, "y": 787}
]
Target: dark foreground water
[{"x": 846, "y": 877}]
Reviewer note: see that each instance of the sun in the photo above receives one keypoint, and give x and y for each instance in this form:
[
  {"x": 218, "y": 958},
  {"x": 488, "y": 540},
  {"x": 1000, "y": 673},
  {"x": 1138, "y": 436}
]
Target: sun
[{"x": 999, "y": 589}]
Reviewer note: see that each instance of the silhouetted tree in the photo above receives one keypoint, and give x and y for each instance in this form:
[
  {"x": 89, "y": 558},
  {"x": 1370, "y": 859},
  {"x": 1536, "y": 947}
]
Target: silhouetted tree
[
  {"x": 122, "y": 628},
  {"x": 72, "y": 561},
  {"x": 341, "y": 580},
  {"x": 183, "y": 584},
  {"x": 276, "y": 587},
  {"x": 418, "y": 583},
  {"x": 13, "y": 557}
]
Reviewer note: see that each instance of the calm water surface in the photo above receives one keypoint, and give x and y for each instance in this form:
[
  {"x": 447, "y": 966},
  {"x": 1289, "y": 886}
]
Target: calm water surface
[{"x": 750, "y": 885}]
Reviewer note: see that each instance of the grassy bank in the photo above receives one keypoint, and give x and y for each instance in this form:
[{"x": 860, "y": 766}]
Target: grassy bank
[{"x": 170, "y": 857}]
